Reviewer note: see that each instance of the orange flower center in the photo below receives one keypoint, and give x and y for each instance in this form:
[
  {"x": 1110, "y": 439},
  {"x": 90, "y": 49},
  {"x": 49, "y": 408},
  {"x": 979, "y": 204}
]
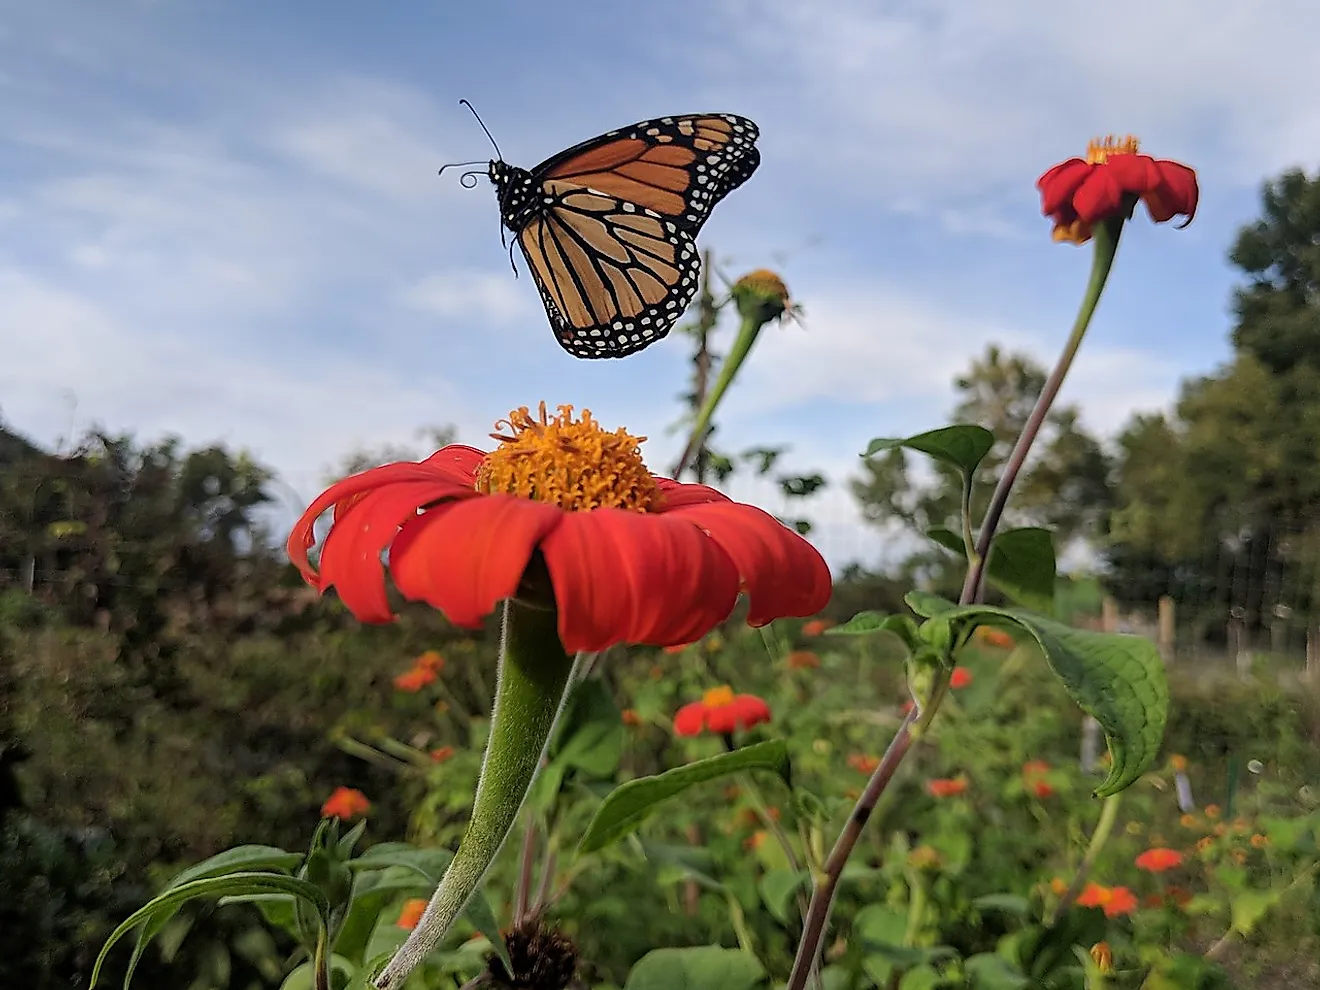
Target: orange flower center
[
  {"x": 1100, "y": 149},
  {"x": 575, "y": 465},
  {"x": 765, "y": 282},
  {"x": 718, "y": 697}
]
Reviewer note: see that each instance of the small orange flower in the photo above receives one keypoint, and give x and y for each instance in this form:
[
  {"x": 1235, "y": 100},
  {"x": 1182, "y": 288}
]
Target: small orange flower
[
  {"x": 1189, "y": 821},
  {"x": 997, "y": 638},
  {"x": 1082, "y": 192},
  {"x": 1120, "y": 901},
  {"x": 1178, "y": 762},
  {"x": 1058, "y": 886},
  {"x": 1103, "y": 957},
  {"x": 1259, "y": 841},
  {"x": 1093, "y": 895},
  {"x": 960, "y": 678},
  {"x": 442, "y": 754},
  {"x": 414, "y": 680},
  {"x": 722, "y": 712},
  {"x": 863, "y": 763},
  {"x": 631, "y": 557},
  {"x": 1221, "y": 829},
  {"x": 1159, "y": 859},
  {"x": 1241, "y": 826},
  {"x": 1212, "y": 811},
  {"x": 411, "y": 913},
  {"x": 802, "y": 660},
  {"x": 1205, "y": 845},
  {"x": 816, "y": 626},
  {"x": 755, "y": 840},
  {"x": 1239, "y": 856},
  {"x": 430, "y": 660},
  {"x": 943, "y": 787},
  {"x": 630, "y": 717},
  {"x": 345, "y": 803}
]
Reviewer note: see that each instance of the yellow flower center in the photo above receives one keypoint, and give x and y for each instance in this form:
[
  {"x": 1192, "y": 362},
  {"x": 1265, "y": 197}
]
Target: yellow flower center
[
  {"x": 1099, "y": 150},
  {"x": 718, "y": 697},
  {"x": 765, "y": 282},
  {"x": 575, "y": 465}
]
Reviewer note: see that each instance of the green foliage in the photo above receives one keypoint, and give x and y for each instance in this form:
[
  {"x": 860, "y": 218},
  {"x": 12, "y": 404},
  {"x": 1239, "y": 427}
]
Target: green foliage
[{"x": 706, "y": 967}]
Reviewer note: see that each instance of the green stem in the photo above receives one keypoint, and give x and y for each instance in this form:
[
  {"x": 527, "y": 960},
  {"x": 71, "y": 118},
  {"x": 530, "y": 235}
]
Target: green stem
[
  {"x": 321, "y": 961},
  {"x": 751, "y": 326},
  {"x": 1106, "y": 246},
  {"x": 1108, "y": 815},
  {"x": 532, "y": 682},
  {"x": 969, "y": 537}
]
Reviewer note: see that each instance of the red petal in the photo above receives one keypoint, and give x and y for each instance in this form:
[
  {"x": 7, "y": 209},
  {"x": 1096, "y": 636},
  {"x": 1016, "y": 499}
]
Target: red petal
[
  {"x": 781, "y": 572},
  {"x": 1059, "y": 183},
  {"x": 690, "y": 719},
  {"x": 629, "y": 577},
  {"x": 1177, "y": 193},
  {"x": 457, "y": 461},
  {"x": 743, "y": 712},
  {"x": 676, "y": 494},
  {"x": 1136, "y": 174},
  {"x": 464, "y": 557},
  {"x": 351, "y": 560}
]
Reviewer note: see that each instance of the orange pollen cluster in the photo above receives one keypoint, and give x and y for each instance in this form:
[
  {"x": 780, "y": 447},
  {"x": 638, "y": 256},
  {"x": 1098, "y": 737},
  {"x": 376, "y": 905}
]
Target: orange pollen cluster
[
  {"x": 718, "y": 697},
  {"x": 765, "y": 282},
  {"x": 575, "y": 465},
  {"x": 1099, "y": 150}
]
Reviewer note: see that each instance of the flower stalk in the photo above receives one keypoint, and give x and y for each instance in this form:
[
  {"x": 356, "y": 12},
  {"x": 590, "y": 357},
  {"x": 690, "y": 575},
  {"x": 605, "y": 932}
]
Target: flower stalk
[
  {"x": 1103, "y": 828},
  {"x": 533, "y": 679}
]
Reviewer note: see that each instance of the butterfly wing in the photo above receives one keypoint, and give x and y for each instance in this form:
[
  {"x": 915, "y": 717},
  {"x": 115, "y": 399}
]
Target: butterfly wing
[
  {"x": 614, "y": 275},
  {"x": 678, "y": 167}
]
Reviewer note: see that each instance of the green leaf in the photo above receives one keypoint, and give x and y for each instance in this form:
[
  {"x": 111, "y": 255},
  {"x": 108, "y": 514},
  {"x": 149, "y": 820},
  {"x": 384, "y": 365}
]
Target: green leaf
[
  {"x": 703, "y": 967},
  {"x": 1003, "y": 903},
  {"x": 921, "y": 978},
  {"x": 1021, "y": 563},
  {"x": 342, "y": 972},
  {"x": 987, "y": 971},
  {"x": 1248, "y": 907},
  {"x": 1117, "y": 679},
  {"x": 868, "y": 623},
  {"x": 927, "y": 605},
  {"x": 962, "y": 446},
  {"x": 171, "y": 900},
  {"x": 592, "y": 733},
  {"x": 778, "y": 888},
  {"x": 629, "y": 804}
]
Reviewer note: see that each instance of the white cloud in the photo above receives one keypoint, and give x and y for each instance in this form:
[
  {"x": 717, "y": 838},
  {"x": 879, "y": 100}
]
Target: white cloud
[{"x": 485, "y": 296}]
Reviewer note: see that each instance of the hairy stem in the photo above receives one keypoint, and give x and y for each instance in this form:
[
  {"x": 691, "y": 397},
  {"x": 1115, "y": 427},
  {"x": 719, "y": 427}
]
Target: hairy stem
[{"x": 533, "y": 680}]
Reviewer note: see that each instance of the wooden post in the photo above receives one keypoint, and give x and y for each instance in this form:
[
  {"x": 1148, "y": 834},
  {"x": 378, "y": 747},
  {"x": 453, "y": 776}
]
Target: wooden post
[
  {"x": 1237, "y": 641},
  {"x": 1167, "y": 627},
  {"x": 1109, "y": 614}
]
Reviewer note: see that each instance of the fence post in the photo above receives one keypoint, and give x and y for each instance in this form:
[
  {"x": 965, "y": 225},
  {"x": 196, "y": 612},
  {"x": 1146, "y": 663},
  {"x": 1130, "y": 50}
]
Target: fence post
[
  {"x": 1167, "y": 626},
  {"x": 1237, "y": 641}
]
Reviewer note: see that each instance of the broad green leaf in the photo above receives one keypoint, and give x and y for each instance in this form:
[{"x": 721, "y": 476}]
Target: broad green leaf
[
  {"x": 1003, "y": 903},
  {"x": 921, "y": 977},
  {"x": 342, "y": 972},
  {"x": 1117, "y": 679},
  {"x": 240, "y": 859},
  {"x": 703, "y": 967},
  {"x": 867, "y": 623},
  {"x": 927, "y": 605},
  {"x": 1248, "y": 907},
  {"x": 987, "y": 971},
  {"x": 963, "y": 446},
  {"x": 630, "y": 804},
  {"x": 778, "y": 888},
  {"x": 1021, "y": 563},
  {"x": 592, "y": 733},
  {"x": 234, "y": 883}
]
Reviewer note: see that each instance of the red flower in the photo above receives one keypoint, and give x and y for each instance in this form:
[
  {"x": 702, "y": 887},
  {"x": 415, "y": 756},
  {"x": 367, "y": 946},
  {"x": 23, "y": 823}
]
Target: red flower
[
  {"x": 1032, "y": 771},
  {"x": 942, "y": 787},
  {"x": 345, "y": 803},
  {"x": 722, "y": 712},
  {"x": 414, "y": 680},
  {"x": 411, "y": 913},
  {"x": 630, "y": 717},
  {"x": 1114, "y": 900},
  {"x": 442, "y": 754},
  {"x": 1093, "y": 895},
  {"x": 991, "y": 636},
  {"x": 629, "y": 557},
  {"x": 863, "y": 763},
  {"x": 430, "y": 660},
  {"x": 960, "y": 678},
  {"x": 1082, "y": 192},
  {"x": 1159, "y": 859},
  {"x": 802, "y": 660},
  {"x": 816, "y": 626}
]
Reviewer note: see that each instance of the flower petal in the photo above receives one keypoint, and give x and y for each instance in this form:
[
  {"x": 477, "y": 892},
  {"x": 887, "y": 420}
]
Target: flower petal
[
  {"x": 745, "y": 711},
  {"x": 690, "y": 719},
  {"x": 1059, "y": 183},
  {"x": 782, "y": 573},
  {"x": 351, "y": 559},
  {"x": 1099, "y": 197},
  {"x": 1176, "y": 194},
  {"x": 464, "y": 557},
  {"x": 1133, "y": 173},
  {"x": 458, "y": 462},
  {"x": 676, "y": 493},
  {"x": 629, "y": 577}
]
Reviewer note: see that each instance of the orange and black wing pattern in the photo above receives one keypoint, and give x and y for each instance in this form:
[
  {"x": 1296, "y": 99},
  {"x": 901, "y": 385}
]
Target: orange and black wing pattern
[{"x": 608, "y": 227}]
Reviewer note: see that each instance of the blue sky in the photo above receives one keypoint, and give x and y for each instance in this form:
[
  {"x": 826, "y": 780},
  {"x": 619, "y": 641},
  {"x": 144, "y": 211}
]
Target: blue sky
[{"x": 223, "y": 220}]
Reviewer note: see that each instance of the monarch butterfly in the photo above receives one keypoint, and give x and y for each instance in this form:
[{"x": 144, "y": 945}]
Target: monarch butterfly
[{"x": 608, "y": 226}]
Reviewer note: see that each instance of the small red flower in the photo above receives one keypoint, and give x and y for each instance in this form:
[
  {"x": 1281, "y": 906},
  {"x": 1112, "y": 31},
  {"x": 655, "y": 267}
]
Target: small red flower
[
  {"x": 816, "y": 626},
  {"x": 414, "y": 680},
  {"x": 722, "y": 712},
  {"x": 631, "y": 718},
  {"x": 943, "y": 787},
  {"x": 960, "y": 678},
  {"x": 1120, "y": 901},
  {"x": 997, "y": 638},
  {"x": 442, "y": 754},
  {"x": 411, "y": 913},
  {"x": 1082, "y": 192},
  {"x": 430, "y": 660},
  {"x": 345, "y": 803},
  {"x": 1093, "y": 895},
  {"x": 802, "y": 660},
  {"x": 1041, "y": 789},
  {"x": 863, "y": 763},
  {"x": 631, "y": 558},
  {"x": 1159, "y": 859}
]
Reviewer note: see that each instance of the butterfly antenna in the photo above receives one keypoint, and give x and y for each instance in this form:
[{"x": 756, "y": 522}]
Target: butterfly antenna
[
  {"x": 457, "y": 165},
  {"x": 498, "y": 153}
]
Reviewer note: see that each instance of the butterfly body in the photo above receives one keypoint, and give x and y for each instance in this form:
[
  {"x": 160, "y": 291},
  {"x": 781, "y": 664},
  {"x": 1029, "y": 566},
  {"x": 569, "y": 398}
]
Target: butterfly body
[{"x": 607, "y": 227}]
